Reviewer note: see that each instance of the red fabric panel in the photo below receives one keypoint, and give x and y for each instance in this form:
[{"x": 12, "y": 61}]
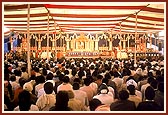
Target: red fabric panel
[
  {"x": 92, "y": 7},
  {"x": 89, "y": 16}
]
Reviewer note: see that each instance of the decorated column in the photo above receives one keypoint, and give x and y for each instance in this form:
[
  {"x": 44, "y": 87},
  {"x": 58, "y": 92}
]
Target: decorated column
[
  {"x": 96, "y": 45},
  {"x": 36, "y": 44},
  {"x": 72, "y": 44},
  {"x": 155, "y": 44},
  {"x": 28, "y": 41},
  {"x": 135, "y": 40},
  {"x": 84, "y": 45},
  {"x": 128, "y": 37},
  {"x": 39, "y": 43},
  {"x": 145, "y": 44},
  {"x": 55, "y": 40},
  {"x": 67, "y": 44},
  {"x": 110, "y": 42},
  {"x": 11, "y": 42},
  {"x": 53, "y": 44},
  {"x": 120, "y": 41},
  {"x": 76, "y": 45},
  {"x": 150, "y": 40},
  {"x": 48, "y": 37},
  {"x": 124, "y": 42},
  {"x": 88, "y": 45}
]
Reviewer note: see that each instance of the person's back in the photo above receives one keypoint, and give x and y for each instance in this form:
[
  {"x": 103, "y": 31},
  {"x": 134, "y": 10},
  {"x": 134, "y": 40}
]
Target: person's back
[
  {"x": 138, "y": 74},
  {"x": 94, "y": 86},
  {"x": 65, "y": 86},
  {"x": 28, "y": 87},
  {"x": 7, "y": 103},
  {"x": 149, "y": 104},
  {"x": 49, "y": 78},
  {"x": 159, "y": 95},
  {"x": 143, "y": 87},
  {"x": 86, "y": 88},
  {"x": 123, "y": 104},
  {"x": 143, "y": 81},
  {"x": 133, "y": 97},
  {"x": 22, "y": 81},
  {"x": 79, "y": 94},
  {"x": 13, "y": 83},
  {"x": 25, "y": 102},
  {"x": 103, "y": 108},
  {"x": 40, "y": 80},
  {"x": 47, "y": 100},
  {"x": 61, "y": 102},
  {"x": 94, "y": 103},
  {"x": 104, "y": 95},
  {"x": 118, "y": 81},
  {"x": 74, "y": 103},
  {"x": 24, "y": 74}
]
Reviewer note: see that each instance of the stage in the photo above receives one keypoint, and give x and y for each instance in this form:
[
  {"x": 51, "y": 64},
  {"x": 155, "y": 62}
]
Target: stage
[{"x": 105, "y": 54}]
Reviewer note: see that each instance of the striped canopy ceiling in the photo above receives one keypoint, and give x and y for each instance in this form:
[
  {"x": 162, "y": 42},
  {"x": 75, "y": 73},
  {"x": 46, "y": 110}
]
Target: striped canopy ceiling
[{"x": 73, "y": 17}]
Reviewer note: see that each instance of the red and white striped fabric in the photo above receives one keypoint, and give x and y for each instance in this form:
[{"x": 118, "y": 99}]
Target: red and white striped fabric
[{"x": 72, "y": 17}]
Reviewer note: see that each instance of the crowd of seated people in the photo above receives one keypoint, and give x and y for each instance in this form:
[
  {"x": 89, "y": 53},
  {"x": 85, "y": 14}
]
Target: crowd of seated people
[{"x": 84, "y": 85}]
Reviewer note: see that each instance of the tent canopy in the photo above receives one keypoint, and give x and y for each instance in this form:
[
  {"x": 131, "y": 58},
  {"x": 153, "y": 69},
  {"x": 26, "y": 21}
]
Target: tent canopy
[{"x": 74, "y": 17}]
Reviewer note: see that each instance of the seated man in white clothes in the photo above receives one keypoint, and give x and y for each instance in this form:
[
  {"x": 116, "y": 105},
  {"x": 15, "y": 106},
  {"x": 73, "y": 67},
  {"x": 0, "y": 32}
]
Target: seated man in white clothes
[{"x": 65, "y": 86}]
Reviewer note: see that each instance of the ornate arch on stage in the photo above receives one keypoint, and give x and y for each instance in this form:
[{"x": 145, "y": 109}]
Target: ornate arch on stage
[{"x": 61, "y": 25}]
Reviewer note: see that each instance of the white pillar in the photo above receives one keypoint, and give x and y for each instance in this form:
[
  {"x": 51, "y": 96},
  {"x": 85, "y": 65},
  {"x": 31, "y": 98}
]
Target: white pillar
[
  {"x": 84, "y": 45},
  {"x": 150, "y": 40},
  {"x": 53, "y": 43},
  {"x": 145, "y": 45},
  {"x": 135, "y": 40},
  {"x": 124, "y": 44},
  {"x": 55, "y": 40},
  {"x": 77, "y": 44},
  {"x": 88, "y": 46},
  {"x": 39, "y": 44},
  {"x": 110, "y": 45},
  {"x": 111, "y": 36},
  {"x": 155, "y": 44},
  {"x": 67, "y": 44},
  {"x": 72, "y": 44},
  {"x": 28, "y": 40},
  {"x": 128, "y": 42},
  {"x": 11, "y": 42},
  {"x": 91, "y": 45},
  {"x": 35, "y": 45},
  {"x": 120, "y": 41},
  {"x": 48, "y": 38},
  {"x": 96, "y": 45}
]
